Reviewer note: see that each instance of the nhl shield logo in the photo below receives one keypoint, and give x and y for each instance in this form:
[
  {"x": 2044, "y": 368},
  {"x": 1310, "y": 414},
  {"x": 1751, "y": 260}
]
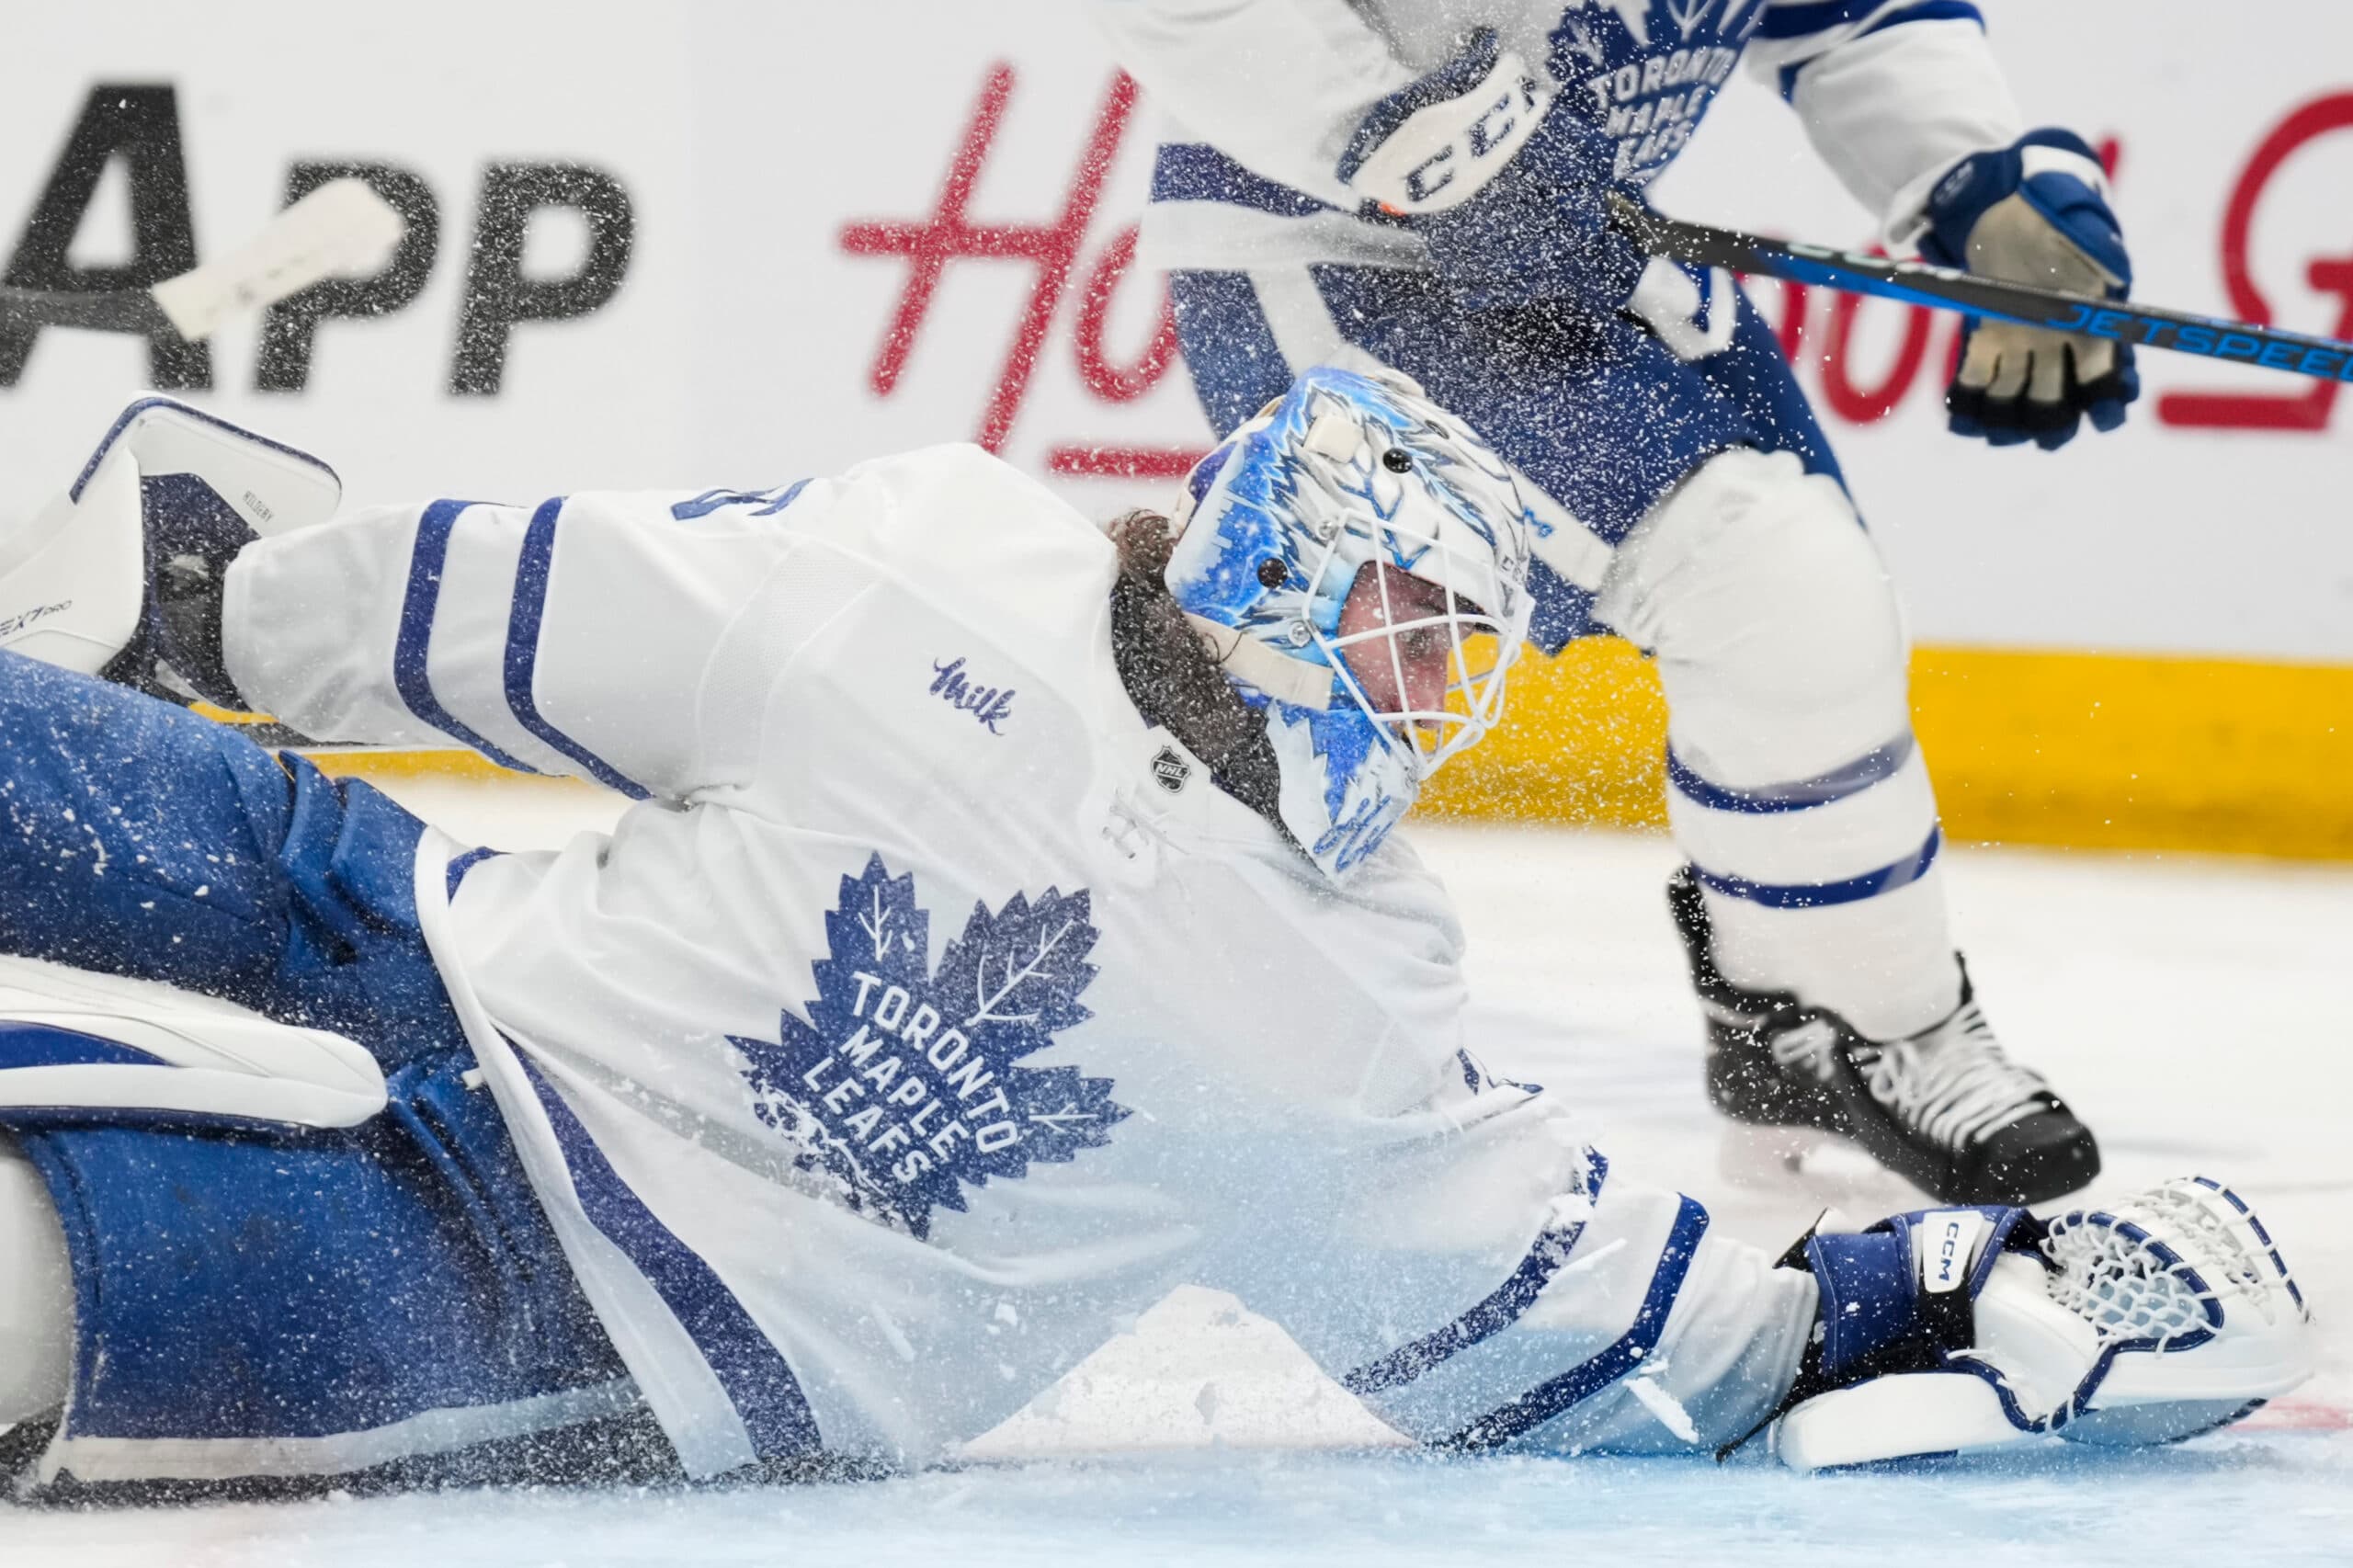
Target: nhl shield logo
[{"x": 1170, "y": 770}]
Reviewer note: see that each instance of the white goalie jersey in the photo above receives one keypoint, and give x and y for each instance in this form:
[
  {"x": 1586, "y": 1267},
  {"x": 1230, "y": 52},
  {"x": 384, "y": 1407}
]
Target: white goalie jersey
[{"x": 930, "y": 1016}]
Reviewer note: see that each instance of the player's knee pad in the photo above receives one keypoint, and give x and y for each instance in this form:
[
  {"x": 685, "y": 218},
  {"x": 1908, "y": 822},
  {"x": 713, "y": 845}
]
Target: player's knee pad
[
  {"x": 1772, "y": 619},
  {"x": 36, "y": 1294},
  {"x": 1794, "y": 784}
]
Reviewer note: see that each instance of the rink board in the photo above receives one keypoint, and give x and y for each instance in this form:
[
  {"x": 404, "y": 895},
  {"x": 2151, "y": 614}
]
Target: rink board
[
  {"x": 2086, "y": 750},
  {"x": 2145, "y": 640}
]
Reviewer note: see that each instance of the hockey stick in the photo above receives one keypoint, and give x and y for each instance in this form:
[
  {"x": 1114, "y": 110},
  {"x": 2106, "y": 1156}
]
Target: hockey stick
[
  {"x": 1941, "y": 287},
  {"x": 342, "y": 226}
]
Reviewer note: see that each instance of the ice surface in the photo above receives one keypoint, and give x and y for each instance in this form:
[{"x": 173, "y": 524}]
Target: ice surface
[{"x": 2192, "y": 1010}]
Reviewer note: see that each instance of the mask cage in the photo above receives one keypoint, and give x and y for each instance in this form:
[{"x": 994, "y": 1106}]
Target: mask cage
[{"x": 1427, "y": 727}]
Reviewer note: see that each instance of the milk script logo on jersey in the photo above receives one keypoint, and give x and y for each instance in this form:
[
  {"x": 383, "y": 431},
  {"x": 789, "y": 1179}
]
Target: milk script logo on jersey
[
  {"x": 990, "y": 704},
  {"x": 903, "y": 1086}
]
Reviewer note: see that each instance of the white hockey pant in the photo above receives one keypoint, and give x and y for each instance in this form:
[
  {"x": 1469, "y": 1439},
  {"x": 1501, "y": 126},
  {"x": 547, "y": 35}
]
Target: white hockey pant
[{"x": 1795, "y": 789}]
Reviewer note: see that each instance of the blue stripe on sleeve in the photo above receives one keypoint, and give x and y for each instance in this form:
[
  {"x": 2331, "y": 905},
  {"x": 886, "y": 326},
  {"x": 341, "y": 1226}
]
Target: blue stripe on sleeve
[
  {"x": 1194, "y": 171},
  {"x": 759, "y": 1380},
  {"x": 1818, "y": 895},
  {"x": 791, "y": 494},
  {"x": 410, "y": 677},
  {"x": 523, "y": 651},
  {"x": 1571, "y": 1388},
  {"x": 467, "y": 862},
  {"x": 1928, "y": 11},
  {"x": 1798, "y": 795},
  {"x": 1499, "y": 1311},
  {"x": 1921, "y": 11},
  {"x": 1811, "y": 16},
  {"x": 1564, "y": 611}
]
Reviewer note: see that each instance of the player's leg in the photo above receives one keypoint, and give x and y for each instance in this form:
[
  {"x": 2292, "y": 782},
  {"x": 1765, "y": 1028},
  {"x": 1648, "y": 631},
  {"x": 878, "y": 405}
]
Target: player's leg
[
  {"x": 1797, "y": 789},
  {"x": 1815, "y": 905},
  {"x": 142, "y": 839}
]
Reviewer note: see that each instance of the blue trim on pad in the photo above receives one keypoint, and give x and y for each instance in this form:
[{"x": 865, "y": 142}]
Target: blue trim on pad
[
  {"x": 759, "y": 1380},
  {"x": 1499, "y": 1311},
  {"x": 1571, "y": 1388},
  {"x": 38, "y": 1045},
  {"x": 1817, "y": 895},
  {"x": 122, "y": 421},
  {"x": 531, "y": 573},
  {"x": 410, "y": 678},
  {"x": 1798, "y": 795}
]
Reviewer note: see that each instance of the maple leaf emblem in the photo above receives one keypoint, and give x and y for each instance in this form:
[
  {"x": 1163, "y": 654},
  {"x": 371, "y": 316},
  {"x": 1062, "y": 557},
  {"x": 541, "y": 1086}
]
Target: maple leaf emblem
[{"x": 903, "y": 1086}]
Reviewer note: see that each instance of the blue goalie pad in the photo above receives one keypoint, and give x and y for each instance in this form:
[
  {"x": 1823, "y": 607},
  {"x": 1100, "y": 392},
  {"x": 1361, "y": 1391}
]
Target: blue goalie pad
[{"x": 312, "y": 1304}]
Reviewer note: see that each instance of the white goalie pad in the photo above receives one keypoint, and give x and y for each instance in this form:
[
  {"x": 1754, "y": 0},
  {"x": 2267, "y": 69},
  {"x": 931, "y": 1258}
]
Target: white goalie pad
[
  {"x": 77, "y": 1042},
  {"x": 73, "y": 576}
]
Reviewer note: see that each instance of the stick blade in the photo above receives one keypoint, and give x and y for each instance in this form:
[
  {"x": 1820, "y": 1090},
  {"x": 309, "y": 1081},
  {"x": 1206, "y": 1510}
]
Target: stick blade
[{"x": 343, "y": 226}]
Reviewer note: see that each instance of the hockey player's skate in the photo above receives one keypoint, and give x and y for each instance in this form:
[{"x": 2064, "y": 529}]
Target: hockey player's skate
[
  {"x": 1943, "y": 1108},
  {"x": 121, "y": 575}
]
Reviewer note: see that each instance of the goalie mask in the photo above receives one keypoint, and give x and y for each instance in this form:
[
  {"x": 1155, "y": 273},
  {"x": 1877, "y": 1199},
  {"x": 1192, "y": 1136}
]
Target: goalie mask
[{"x": 1357, "y": 483}]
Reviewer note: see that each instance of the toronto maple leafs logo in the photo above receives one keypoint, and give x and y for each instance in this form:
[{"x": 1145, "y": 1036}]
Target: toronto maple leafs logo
[{"x": 903, "y": 1086}]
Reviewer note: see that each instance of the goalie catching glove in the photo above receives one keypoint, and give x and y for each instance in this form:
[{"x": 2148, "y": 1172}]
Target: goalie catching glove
[{"x": 1948, "y": 1330}]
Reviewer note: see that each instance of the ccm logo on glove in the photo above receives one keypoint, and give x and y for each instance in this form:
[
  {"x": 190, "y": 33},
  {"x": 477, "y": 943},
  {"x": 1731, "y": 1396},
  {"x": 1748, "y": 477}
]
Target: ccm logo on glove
[{"x": 1945, "y": 1265}]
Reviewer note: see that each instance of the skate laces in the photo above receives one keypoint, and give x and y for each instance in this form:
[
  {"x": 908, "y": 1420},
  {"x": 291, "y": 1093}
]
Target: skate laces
[
  {"x": 1951, "y": 1081},
  {"x": 2152, "y": 1268}
]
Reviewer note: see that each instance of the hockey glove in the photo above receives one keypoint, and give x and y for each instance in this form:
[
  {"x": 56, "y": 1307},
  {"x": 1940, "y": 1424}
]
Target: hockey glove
[
  {"x": 1958, "y": 1329},
  {"x": 2033, "y": 212},
  {"x": 1507, "y": 187}
]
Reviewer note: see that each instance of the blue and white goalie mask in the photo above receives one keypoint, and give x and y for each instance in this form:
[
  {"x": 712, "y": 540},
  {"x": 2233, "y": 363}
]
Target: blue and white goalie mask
[{"x": 1357, "y": 560}]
